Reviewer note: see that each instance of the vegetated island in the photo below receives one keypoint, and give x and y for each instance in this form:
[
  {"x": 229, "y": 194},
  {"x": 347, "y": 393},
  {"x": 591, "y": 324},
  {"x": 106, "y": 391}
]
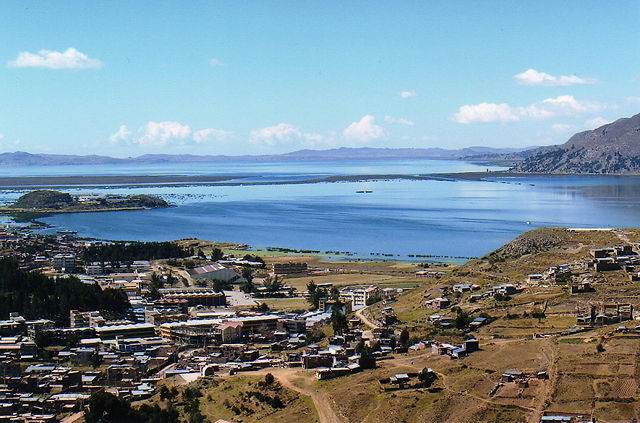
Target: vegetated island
[{"x": 49, "y": 202}]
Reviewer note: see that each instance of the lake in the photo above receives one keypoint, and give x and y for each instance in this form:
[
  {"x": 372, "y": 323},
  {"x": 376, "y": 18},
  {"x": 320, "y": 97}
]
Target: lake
[{"x": 399, "y": 218}]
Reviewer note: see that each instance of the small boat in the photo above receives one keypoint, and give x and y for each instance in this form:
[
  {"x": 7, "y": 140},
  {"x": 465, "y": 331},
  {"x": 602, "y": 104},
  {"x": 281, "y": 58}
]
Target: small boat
[
  {"x": 363, "y": 191},
  {"x": 67, "y": 232}
]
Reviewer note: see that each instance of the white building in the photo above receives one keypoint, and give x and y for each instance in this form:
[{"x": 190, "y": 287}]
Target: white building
[
  {"x": 361, "y": 297},
  {"x": 215, "y": 271}
]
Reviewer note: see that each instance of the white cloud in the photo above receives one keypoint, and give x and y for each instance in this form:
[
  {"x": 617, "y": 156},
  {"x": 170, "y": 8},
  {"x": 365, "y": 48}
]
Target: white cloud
[
  {"x": 122, "y": 134},
  {"x": 564, "y": 105},
  {"x": 633, "y": 99},
  {"x": 160, "y": 134},
  {"x": 561, "y": 127},
  {"x": 215, "y": 62},
  {"x": 50, "y": 59},
  {"x": 1, "y": 136},
  {"x": 364, "y": 130},
  {"x": 485, "y": 113},
  {"x": 282, "y": 132},
  {"x": 408, "y": 94},
  {"x": 210, "y": 134},
  {"x": 596, "y": 122},
  {"x": 398, "y": 121},
  {"x": 534, "y": 77}
]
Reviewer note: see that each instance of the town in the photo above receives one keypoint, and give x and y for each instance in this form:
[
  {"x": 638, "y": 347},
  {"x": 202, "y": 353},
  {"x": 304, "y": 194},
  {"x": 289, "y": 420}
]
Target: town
[{"x": 88, "y": 322}]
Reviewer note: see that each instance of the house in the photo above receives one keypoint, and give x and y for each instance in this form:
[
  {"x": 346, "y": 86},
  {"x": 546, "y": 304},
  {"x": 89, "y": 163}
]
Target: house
[
  {"x": 440, "y": 303},
  {"x": 462, "y": 287},
  {"x": 535, "y": 278}
]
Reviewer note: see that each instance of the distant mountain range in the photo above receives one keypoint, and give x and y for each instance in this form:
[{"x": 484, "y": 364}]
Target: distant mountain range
[
  {"x": 480, "y": 153},
  {"x": 610, "y": 149}
]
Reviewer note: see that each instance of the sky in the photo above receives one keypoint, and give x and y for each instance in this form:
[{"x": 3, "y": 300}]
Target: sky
[{"x": 125, "y": 78}]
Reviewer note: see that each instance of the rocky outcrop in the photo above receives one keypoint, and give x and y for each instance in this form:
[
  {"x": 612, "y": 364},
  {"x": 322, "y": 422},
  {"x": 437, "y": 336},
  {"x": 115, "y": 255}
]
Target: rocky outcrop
[{"x": 610, "y": 149}]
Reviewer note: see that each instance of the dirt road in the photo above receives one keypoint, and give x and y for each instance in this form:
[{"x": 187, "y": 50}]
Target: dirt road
[{"x": 321, "y": 401}]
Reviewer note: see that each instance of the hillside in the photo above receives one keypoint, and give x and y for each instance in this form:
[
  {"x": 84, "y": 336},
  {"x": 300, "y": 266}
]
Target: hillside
[{"x": 610, "y": 149}]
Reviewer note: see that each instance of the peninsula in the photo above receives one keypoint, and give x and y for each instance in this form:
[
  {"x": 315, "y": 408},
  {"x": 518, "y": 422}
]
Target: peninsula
[{"x": 49, "y": 201}]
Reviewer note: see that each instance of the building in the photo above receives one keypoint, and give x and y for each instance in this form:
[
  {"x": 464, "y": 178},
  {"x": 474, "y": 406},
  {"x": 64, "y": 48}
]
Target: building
[
  {"x": 289, "y": 268},
  {"x": 216, "y": 331},
  {"x": 195, "y": 296},
  {"x": 360, "y": 297},
  {"x": 85, "y": 319},
  {"x": 202, "y": 332},
  {"x": 64, "y": 262},
  {"x": 135, "y": 330},
  {"x": 216, "y": 271}
]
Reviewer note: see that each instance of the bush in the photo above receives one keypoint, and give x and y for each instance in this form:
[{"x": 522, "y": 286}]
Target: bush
[{"x": 269, "y": 379}]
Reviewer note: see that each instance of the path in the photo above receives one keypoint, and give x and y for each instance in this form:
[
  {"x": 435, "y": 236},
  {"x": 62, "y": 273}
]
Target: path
[
  {"x": 364, "y": 319},
  {"x": 321, "y": 401}
]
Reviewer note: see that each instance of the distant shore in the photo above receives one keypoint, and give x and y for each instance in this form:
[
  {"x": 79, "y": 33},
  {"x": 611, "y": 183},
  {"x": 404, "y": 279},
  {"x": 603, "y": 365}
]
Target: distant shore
[{"x": 125, "y": 181}]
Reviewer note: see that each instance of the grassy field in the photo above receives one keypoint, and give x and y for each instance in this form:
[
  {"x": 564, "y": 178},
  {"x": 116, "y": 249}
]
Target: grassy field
[{"x": 286, "y": 304}]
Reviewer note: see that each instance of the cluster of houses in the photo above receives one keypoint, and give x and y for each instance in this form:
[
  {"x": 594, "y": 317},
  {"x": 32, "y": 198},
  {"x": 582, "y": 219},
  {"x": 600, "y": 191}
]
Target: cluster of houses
[
  {"x": 599, "y": 314},
  {"x": 578, "y": 275}
]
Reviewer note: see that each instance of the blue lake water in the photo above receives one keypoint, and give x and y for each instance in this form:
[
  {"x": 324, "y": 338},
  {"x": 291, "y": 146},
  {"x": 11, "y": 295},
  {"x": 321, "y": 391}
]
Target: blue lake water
[{"x": 400, "y": 217}]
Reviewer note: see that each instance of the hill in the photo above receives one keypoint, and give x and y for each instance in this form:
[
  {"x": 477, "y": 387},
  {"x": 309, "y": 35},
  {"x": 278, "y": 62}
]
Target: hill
[
  {"x": 56, "y": 201},
  {"x": 610, "y": 149},
  {"x": 21, "y": 158}
]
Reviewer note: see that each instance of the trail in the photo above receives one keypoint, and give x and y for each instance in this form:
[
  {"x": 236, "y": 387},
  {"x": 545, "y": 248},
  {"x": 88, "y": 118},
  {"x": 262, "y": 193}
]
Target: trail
[
  {"x": 550, "y": 387},
  {"x": 364, "y": 319},
  {"x": 322, "y": 403}
]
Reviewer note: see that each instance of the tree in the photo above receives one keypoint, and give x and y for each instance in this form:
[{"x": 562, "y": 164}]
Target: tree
[
  {"x": 272, "y": 284},
  {"x": 105, "y": 407},
  {"x": 247, "y": 273},
  {"x": 269, "y": 379},
  {"x": 154, "y": 293},
  {"x": 216, "y": 254},
  {"x": 248, "y": 287},
  {"x": 254, "y": 258},
  {"x": 427, "y": 377},
  {"x": 462, "y": 319},
  {"x": 165, "y": 394},
  {"x": 262, "y": 308},
  {"x": 315, "y": 294},
  {"x": 219, "y": 285},
  {"x": 404, "y": 338},
  {"x": 338, "y": 319}
]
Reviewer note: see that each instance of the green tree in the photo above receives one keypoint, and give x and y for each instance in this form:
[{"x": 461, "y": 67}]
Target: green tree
[
  {"x": 247, "y": 274},
  {"x": 219, "y": 285},
  {"x": 338, "y": 319},
  {"x": 404, "y": 338},
  {"x": 105, "y": 407},
  {"x": 216, "y": 254},
  {"x": 427, "y": 377}
]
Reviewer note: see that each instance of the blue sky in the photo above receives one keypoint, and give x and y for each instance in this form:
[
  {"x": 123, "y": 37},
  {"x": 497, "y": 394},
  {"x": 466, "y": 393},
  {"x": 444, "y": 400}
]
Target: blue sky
[{"x": 126, "y": 78}]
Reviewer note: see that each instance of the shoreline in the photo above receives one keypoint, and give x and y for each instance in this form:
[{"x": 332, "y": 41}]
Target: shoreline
[{"x": 141, "y": 181}]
